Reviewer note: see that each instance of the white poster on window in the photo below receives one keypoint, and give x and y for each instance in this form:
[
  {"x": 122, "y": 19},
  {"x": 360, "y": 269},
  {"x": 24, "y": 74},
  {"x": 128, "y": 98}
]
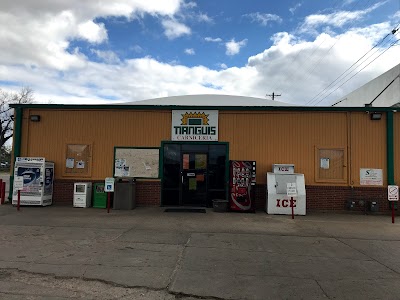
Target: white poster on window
[
  {"x": 126, "y": 171},
  {"x": 70, "y": 163},
  {"x": 371, "y": 176},
  {"x": 119, "y": 167},
  {"x": 324, "y": 163}
]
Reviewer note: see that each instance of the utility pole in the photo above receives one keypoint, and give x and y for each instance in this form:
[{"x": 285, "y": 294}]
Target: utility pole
[{"x": 273, "y": 95}]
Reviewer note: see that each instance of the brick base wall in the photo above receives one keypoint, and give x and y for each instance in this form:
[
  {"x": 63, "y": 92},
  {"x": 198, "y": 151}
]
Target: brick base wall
[
  {"x": 148, "y": 193},
  {"x": 319, "y": 198},
  {"x": 335, "y": 198}
]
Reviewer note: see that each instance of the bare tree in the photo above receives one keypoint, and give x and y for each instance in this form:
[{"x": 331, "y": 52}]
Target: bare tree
[{"x": 24, "y": 96}]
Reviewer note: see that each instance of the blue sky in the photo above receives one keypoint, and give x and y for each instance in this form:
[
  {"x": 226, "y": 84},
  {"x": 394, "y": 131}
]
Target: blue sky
[{"x": 127, "y": 50}]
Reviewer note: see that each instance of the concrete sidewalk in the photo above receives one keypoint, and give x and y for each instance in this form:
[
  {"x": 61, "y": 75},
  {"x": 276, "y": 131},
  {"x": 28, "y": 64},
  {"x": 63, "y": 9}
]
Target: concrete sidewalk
[{"x": 65, "y": 252}]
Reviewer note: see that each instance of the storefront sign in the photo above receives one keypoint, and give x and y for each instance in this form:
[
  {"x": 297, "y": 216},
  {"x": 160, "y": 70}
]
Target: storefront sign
[
  {"x": 371, "y": 177},
  {"x": 200, "y": 125}
]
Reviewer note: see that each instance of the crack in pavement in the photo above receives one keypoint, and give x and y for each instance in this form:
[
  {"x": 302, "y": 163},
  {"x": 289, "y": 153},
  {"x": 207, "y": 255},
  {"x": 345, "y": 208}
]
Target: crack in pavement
[
  {"x": 323, "y": 291},
  {"x": 178, "y": 262},
  {"x": 59, "y": 280},
  {"x": 362, "y": 252}
]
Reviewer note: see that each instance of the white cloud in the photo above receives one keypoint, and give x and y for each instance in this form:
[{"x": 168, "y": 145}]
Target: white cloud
[
  {"x": 201, "y": 17},
  {"x": 210, "y": 39},
  {"x": 189, "y": 4},
  {"x": 233, "y": 47},
  {"x": 286, "y": 67},
  {"x": 263, "y": 19},
  {"x": 294, "y": 8},
  {"x": 336, "y": 19},
  {"x": 301, "y": 62},
  {"x": 36, "y": 51},
  {"x": 173, "y": 29},
  {"x": 109, "y": 57},
  {"x": 190, "y": 51},
  {"x": 136, "y": 48},
  {"x": 39, "y": 33},
  {"x": 94, "y": 33}
]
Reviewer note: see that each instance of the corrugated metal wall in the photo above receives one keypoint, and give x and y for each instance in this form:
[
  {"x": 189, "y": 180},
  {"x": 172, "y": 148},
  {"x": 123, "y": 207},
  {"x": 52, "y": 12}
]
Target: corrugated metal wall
[
  {"x": 368, "y": 145},
  {"x": 267, "y": 137},
  {"x": 277, "y": 137},
  {"x": 104, "y": 129}
]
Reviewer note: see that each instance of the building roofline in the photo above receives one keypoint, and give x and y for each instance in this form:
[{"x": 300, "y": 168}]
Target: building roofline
[{"x": 192, "y": 107}]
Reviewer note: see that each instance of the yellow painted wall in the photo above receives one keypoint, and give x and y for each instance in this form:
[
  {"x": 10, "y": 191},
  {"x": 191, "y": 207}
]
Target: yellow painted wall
[
  {"x": 368, "y": 146},
  {"x": 104, "y": 129},
  {"x": 267, "y": 137},
  {"x": 282, "y": 137}
]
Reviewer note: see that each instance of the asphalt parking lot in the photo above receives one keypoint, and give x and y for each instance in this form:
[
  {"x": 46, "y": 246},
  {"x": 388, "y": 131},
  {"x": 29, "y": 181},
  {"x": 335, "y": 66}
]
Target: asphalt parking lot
[{"x": 64, "y": 252}]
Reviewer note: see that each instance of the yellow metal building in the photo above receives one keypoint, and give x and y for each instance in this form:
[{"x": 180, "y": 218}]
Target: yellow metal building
[{"x": 353, "y": 139}]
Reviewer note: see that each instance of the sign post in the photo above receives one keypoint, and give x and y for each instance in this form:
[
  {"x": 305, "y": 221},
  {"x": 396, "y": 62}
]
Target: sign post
[
  {"x": 19, "y": 185},
  {"x": 291, "y": 192},
  {"x": 3, "y": 192},
  {"x": 109, "y": 188},
  {"x": 393, "y": 195}
]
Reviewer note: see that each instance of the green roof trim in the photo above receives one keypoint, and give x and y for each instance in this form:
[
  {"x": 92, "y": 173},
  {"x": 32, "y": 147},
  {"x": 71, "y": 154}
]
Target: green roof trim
[{"x": 191, "y": 107}]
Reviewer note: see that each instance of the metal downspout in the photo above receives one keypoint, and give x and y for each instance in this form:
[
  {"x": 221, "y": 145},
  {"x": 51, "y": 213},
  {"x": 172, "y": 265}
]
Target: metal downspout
[
  {"x": 390, "y": 147},
  {"x": 17, "y": 144}
]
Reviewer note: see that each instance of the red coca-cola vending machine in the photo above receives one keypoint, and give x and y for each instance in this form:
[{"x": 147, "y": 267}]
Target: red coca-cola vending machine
[{"x": 242, "y": 185}]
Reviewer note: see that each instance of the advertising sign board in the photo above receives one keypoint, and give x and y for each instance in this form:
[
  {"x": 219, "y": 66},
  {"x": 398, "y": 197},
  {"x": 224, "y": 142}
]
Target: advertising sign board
[{"x": 201, "y": 125}]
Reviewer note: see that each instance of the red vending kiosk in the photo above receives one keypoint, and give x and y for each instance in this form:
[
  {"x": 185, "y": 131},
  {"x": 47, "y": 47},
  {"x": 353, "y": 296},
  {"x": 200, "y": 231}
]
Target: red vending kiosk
[{"x": 242, "y": 185}]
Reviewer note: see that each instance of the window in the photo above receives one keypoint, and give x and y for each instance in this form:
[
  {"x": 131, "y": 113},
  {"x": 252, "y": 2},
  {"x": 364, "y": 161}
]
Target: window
[
  {"x": 78, "y": 160},
  {"x": 330, "y": 165}
]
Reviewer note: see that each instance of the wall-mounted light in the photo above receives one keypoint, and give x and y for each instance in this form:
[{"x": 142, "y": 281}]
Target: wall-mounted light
[
  {"x": 34, "y": 118},
  {"x": 376, "y": 116}
]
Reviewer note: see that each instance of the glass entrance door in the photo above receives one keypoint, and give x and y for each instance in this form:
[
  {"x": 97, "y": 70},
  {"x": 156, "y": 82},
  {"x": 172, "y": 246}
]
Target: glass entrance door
[
  {"x": 194, "y": 179},
  {"x": 193, "y": 174}
]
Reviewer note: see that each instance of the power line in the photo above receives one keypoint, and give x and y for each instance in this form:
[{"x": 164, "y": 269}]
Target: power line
[
  {"x": 321, "y": 93},
  {"x": 309, "y": 62},
  {"x": 358, "y": 72},
  {"x": 294, "y": 59},
  {"x": 311, "y": 69}
]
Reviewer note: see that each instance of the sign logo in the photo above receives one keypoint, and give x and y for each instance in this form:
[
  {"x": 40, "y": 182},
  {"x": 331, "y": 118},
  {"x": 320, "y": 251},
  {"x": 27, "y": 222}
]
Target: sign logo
[
  {"x": 194, "y": 126},
  {"x": 194, "y": 119}
]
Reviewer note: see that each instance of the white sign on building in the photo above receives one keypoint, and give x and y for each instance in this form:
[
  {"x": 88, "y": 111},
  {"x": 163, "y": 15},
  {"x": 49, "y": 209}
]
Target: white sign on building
[
  {"x": 194, "y": 125},
  {"x": 109, "y": 184},
  {"x": 393, "y": 193},
  {"x": 371, "y": 177}
]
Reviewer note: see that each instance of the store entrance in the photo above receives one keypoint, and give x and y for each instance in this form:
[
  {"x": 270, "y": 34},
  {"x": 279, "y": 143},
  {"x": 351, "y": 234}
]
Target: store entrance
[
  {"x": 193, "y": 174},
  {"x": 194, "y": 179}
]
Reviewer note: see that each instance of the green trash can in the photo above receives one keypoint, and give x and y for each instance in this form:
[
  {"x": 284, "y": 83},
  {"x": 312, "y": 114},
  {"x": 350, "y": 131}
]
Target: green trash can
[{"x": 99, "y": 196}]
